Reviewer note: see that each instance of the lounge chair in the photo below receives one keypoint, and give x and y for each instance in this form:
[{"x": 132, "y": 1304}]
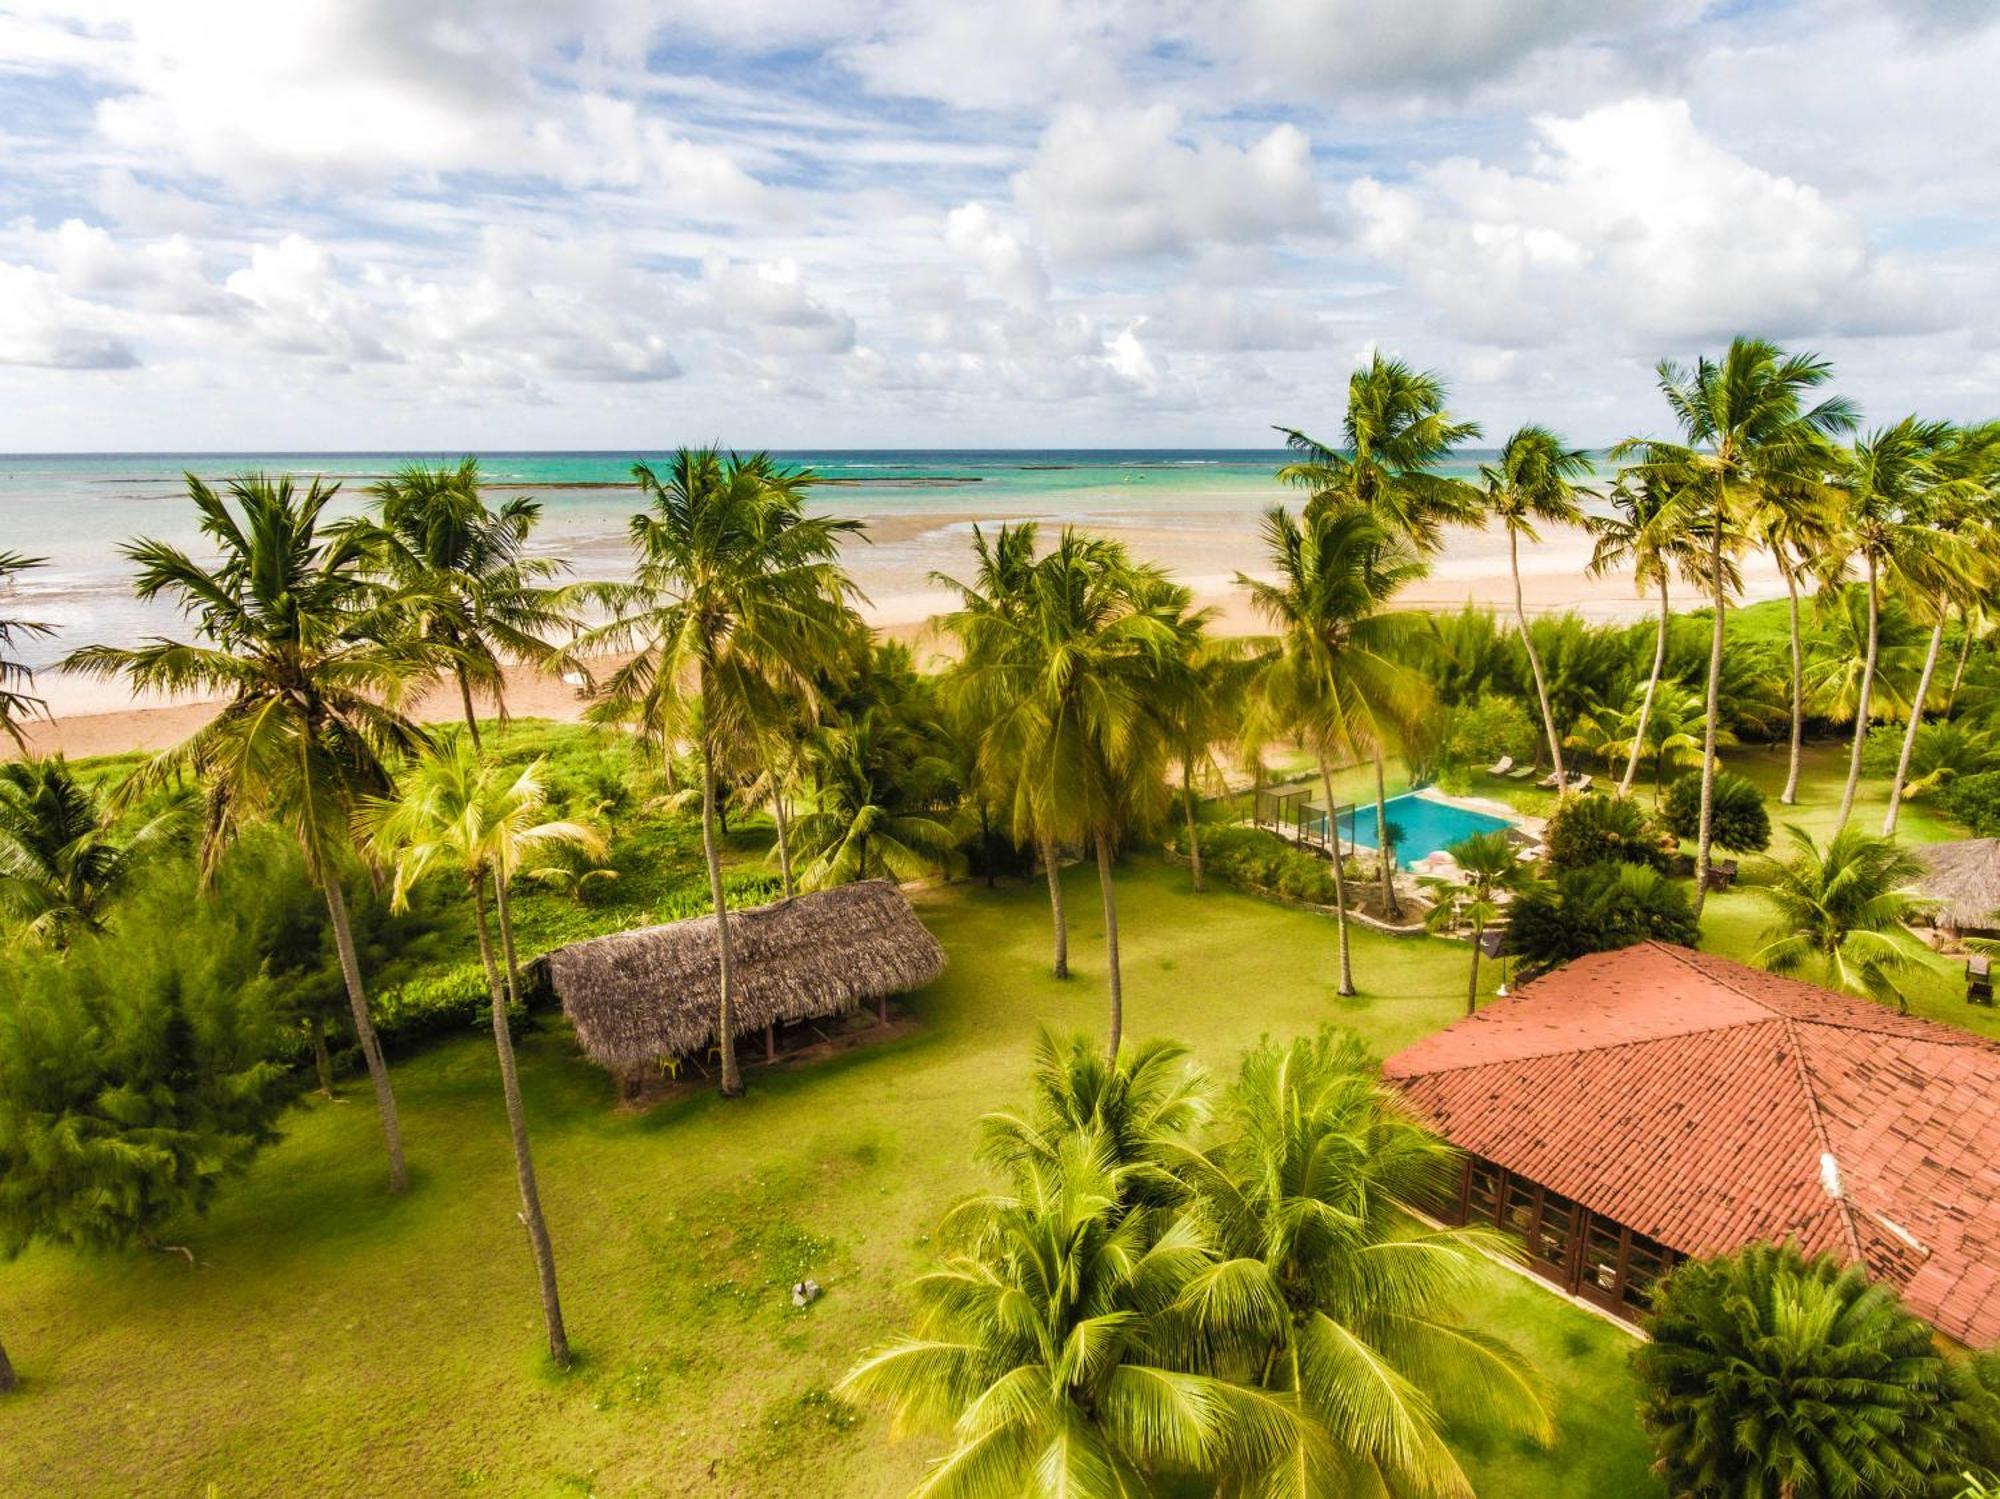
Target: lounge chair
[
  {"x": 1580, "y": 782},
  {"x": 1979, "y": 980},
  {"x": 1502, "y": 766},
  {"x": 1721, "y": 874},
  {"x": 1520, "y": 772}
]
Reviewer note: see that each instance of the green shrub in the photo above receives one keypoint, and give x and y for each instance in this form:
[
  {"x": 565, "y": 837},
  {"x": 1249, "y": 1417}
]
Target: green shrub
[
  {"x": 1596, "y": 828},
  {"x": 1252, "y": 859},
  {"x": 1975, "y": 801},
  {"x": 1476, "y": 734},
  {"x": 1599, "y": 908},
  {"x": 1739, "y": 821}
]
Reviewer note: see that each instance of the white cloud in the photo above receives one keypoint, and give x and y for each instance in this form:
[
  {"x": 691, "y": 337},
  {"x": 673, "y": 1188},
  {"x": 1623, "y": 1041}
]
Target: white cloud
[
  {"x": 770, "y": 302},
  {"x": 1630, "y": 219},
  {"x": 1012, "y": 269},
  {"x": 1227, "y": 320},
  {"x": 1109, "y": 184},
  {"x": 43, "y": 326},
  {"x": 988, "y": 56}
]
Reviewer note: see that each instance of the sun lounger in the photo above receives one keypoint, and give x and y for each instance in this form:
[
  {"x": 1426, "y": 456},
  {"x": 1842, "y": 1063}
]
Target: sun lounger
[
  {"x": 1979, "y": 980},
  {"x": 1577, "y": 781},
  {"x": 1520, "y": 772},
  {"x": 1580, "y": 782},
  {"x": 1502, "y": 766}
]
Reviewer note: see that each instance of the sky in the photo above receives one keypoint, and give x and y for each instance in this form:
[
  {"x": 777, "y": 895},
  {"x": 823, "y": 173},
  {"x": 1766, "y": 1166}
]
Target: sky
[{"x": 440, "y": 224}]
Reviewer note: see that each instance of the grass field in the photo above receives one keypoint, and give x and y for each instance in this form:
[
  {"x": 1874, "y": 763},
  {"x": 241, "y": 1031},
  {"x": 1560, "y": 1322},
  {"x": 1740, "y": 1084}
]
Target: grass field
[{"x": 335, "y": 1340}]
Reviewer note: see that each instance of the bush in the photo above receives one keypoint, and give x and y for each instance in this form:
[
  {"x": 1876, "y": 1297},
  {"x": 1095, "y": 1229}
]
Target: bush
[
  {"x": 1478, "y": 733},
  {"x": 1738, "y": 819},
  {"x": 1597, "y": 909},
  {"x": 1595, "y": 829},
  {"x": 1769, "y": 1373},
  {"x": 1975, "y": 801},
  {"x": 1252, "y": 859}
]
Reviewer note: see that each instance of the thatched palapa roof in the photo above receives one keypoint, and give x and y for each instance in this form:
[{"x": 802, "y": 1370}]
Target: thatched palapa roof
[
  {"x": 1964, "y": 879},
  {"x": 637, "y": 996}
]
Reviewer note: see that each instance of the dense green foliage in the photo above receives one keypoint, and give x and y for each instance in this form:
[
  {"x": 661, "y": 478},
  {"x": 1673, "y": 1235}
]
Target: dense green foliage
[
  {"x": 1771, "y": 1374},
  {"x": 1596, "y": 828},
  {"x": 1840, "y": 906},
  {"x": 1975, "y": 801},
  {"x": 1742, "y": 824},
  {"x": 1598, "y": 908},
  {"x": 1252, "y": 859}
]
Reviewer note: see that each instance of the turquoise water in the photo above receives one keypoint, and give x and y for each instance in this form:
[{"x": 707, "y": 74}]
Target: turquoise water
[{"x": 1427, "y": 825}]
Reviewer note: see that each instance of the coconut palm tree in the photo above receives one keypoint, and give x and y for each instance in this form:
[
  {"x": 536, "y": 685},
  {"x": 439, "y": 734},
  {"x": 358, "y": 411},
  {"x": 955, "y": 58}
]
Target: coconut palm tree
[
  {"x": 1199, "y": 707},
  {"x": 990, "y": 629},
  {"x": 1080, "y": 684},
  {"x": 1488, "y": 866},
  {"x": 62, "y": 858},
  {"x": 1747, "y": 432},
  {"x": 1335, "y": 670},
  {"x": 18, "y": 702},
  {"x": 1044, "y": 1347},
  {"x": 1886, "y": 487},
  {"x": 1535, "y": 481},
  {"x": 457, "y": 814},
  {"x": 485, "y": 599},
  {"x": 739, "y": 604},
  {"x": 1395, "y": 432},
  {"x": 857, "y": 828},
  {"x": 310, "y": 654},
  {"x": 1795, "y": 518},
  {"x": 1840, "y": 909},
  {"x": 1328, "y": 1296}
]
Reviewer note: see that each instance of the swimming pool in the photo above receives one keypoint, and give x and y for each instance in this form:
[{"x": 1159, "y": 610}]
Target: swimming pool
[{"x": 1427, "y": 825}]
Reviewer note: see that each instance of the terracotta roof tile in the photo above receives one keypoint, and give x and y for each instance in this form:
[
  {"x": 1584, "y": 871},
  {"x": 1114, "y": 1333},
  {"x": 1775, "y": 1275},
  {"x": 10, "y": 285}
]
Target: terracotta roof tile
[{"x": 1695, "y": 1100}]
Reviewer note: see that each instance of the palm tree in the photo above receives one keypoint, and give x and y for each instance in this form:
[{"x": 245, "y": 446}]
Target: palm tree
[
  {"x": 62, "y": 860},
  {"x": 738, "y": 605},
  {"x": 1328, "y": 1296},
  {"x": 1535, "y": 481},
  {"x": 1080, "y": 683},
  {"x": 1335, "y": 670},
  {"x": 1199, "y": 706},
  {"x": 857, "y": 828},
  {"x": 484, "y": 598},
  {"x": 1748, "y": 432},
  {"x": 18, "y": 702},
  {"x": 1840, "y": 909},
  {"x": 1768, "y": 1373},
  {"x": 1488, "y": 866},
  {"x": 1885, "y": 487},
  {"x": 990, "y": 627},
  {"x": 310, "y": 654},
  {"x": 1796, "y": 522},
  {"x": 1044, "y": 1346},
  {"x": 456, "y": 813}
]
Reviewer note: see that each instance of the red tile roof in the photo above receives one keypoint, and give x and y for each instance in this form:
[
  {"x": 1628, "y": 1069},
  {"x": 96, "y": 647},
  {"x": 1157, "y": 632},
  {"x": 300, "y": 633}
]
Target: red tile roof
[{"x": 1710, "y": 1105}]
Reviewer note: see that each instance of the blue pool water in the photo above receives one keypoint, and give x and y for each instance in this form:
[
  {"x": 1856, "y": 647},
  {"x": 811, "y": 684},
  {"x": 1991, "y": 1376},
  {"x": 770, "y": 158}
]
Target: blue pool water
[{"x": 1427, "y": 825}]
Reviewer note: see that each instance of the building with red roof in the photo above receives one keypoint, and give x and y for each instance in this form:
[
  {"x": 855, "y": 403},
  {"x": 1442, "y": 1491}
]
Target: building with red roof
[{"x": 1641, "y": 1106}]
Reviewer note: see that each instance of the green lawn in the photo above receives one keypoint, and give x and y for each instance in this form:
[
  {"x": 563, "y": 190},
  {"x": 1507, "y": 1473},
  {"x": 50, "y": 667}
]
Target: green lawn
[{"x": 335, "y": 1340}]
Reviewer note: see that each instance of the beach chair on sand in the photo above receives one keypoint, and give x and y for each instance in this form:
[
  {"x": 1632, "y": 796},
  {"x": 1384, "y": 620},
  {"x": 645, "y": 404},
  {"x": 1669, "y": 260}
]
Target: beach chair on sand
[
  {"x": 1502, "y": 766},
  {"x": 1979, "y": 980}
]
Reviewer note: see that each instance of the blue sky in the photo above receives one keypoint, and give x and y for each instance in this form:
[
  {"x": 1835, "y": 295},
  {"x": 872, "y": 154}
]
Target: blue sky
[{"x": 385, "y": 223}]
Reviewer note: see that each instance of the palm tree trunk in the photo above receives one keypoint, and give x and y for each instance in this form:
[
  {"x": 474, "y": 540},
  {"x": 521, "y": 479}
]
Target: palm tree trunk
[
  {"x": 1706, "y": 830},
  {"x": 517, "y": 1127},
  {"x": 1391, "y": 907},
  {"x": 1862, "y": 706},
  {"x": 322, "y": 1063},
  {"x": 1910, "y": 734},
  {"x": 1535, "y": 662},
  {"x": 1193, "y": 832},
  {"x": 1346, "y": 986},
  {"x": 725, "y": 1013},
  {"x": 465, "y": 697},
  {"x": 1472, "y": 987},
  {"x": 364, "y": 1032},
  {"x": 7, "y": 1381},
  {"x": 1056, "y": 907},
  {"x": 1791, "y": 791},
  {"x": 1111, "y": 966},
  {"x": 1652, "y": 689},
  {"x": 784, "y": 843},
  {"x": 506, "y": 924},
  {"x": 1964, "y": 659}
]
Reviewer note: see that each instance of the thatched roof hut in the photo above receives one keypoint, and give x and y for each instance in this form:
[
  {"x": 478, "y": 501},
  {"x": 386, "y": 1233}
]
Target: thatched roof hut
[
  {"x": 1964, "y": 879},
  {"x": 638, "y": 996}
]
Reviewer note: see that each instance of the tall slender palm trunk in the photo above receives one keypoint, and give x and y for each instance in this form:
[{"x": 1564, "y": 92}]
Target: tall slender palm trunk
[
  {"x": 7, "y": 1381},
  {"x": 725, "y": 1010},
  {"x": 1910, "y": 733},
  {"x": 1472, "y": 984},
  {"x": 1113, "y": 971},
  {"x": 517, "y": 1128},
  {"x": 1056, "y": 912},
  {"x": 778, "y": 821},
  {"x": 506, "y": 924},
  {"x": 1535, "y": 662},
  {"x": 1652, "y": 690},
  {"x": 1865, "y": 701},
  {"x": 322, "y": 1060},
  {"x": 1193, "y": 827},
  {"x": 364, "y": 1032},
  {"x": 1346, "y": 986},
  {"x": 1791, "y": 791},
  {"x": 1964, "y": 660},
  {"x": 1384, "y": 854},
  {"x": 1705, "y": 832}
]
